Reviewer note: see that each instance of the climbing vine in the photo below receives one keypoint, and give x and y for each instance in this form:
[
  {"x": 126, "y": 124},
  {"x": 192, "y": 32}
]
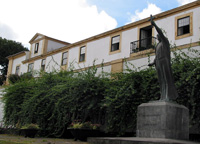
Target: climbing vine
[{"x": 56, "y": 99}]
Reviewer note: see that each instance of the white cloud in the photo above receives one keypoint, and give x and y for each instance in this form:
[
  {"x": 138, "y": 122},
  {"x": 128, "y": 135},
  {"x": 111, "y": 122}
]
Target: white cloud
[
  {"x": 182, "y": 2},
  {"x": 146, "y": 12},
  {"x": 66, "y": 20},
  {"x": 7, "y": 32}
]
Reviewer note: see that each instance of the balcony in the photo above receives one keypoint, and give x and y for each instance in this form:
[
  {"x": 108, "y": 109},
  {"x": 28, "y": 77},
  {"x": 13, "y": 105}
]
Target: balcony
[{"x": 143, "y": 44}]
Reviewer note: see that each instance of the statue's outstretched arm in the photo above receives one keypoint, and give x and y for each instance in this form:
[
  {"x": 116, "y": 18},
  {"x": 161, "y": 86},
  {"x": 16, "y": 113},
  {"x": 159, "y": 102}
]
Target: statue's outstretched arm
[{"x": 158, "y": 29}]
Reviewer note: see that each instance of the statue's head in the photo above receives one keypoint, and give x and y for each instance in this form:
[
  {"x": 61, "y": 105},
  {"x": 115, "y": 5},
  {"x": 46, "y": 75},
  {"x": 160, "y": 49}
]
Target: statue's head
[{"x": 158, "y": 37}]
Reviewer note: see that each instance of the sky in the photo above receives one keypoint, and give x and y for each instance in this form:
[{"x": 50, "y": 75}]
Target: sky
[{"x": 73, "y": 20}]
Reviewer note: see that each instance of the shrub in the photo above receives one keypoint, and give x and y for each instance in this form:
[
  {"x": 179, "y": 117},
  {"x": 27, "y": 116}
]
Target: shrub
[
  {"x": 84, "y": 125},
  {"x": 55, "y": 100},
  {"x": 13, "y": 78},
  {"x": 30, "y": 126}
]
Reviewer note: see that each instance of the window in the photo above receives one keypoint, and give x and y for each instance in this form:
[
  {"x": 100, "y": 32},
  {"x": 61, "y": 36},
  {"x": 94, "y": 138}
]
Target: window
[
  {"x": 145, "y": 38},
  {"x": 17, "y": 70},
  {"x": 82, "y": 54},
  {"x": 115, "y": 43},
  {"x": 64, "y": 58},
  {"x": 184, "y": 26},
  {"x": 43, "y": 64},
  {"x": 36, "y": 48},
  {"x": 30, "y": 67}
]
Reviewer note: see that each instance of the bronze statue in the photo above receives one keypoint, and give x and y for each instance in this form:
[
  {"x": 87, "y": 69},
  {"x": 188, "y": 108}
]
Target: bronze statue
[{"x": 162, "y": 64}]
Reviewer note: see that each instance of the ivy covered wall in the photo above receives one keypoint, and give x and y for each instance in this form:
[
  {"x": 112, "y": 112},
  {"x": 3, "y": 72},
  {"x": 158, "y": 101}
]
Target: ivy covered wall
[{"x": 55, "y": 100}]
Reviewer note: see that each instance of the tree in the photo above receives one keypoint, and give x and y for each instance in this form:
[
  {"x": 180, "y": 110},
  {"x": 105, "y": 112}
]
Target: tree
[{"x": 7, "y": 47}]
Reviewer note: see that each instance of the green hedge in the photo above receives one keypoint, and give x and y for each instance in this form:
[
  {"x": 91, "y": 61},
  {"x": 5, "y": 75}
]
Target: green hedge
[{"x": 55, "y": 100}]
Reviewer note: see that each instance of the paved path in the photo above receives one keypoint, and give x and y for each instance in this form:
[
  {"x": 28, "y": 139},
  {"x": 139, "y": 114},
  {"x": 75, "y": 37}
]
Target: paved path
[
  {"x": 136, "y": 140},
  {"x": 23, "y": 140}
]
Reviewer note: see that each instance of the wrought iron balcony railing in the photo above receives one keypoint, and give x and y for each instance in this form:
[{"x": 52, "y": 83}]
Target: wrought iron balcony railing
[{"x": 142, "y": 44}]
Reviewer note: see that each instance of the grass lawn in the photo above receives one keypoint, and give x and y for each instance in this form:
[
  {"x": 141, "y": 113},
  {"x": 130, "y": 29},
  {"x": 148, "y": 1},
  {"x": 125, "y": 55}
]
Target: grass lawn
[
  {"x": 14, "y": 139},
  {"x": 8, "y": 142}
]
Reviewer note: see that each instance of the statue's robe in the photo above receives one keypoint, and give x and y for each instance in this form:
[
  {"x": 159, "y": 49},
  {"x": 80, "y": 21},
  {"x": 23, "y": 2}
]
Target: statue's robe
[{"x": 164, "y": 72}]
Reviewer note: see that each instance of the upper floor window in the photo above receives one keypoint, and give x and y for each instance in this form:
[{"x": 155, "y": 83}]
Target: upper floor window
[
  {"x": 36, "y": 48},
  {"x": 30, "y": 67},
  {"x": 82, "y": 54},
  {"x": 184, "y": 26},
  {"x": 17, "y": 70},
  {"x": 115, "y": 43},
  {"x": 64, "y": 58},
  {"x": 43, "y": 64}
]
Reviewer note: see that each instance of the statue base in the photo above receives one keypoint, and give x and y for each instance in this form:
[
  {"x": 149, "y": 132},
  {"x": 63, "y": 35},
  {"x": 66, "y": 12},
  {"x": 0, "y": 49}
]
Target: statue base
[{"x": 161, "y": 119}]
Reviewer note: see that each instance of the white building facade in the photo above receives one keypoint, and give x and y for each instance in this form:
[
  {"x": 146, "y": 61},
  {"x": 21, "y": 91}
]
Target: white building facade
[
  {"x": 115, "y": 49},
  {"x": 1, "y": 106}
]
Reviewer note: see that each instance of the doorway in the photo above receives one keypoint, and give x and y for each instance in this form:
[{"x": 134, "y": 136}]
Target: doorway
[{"x": 145, "y": 37}]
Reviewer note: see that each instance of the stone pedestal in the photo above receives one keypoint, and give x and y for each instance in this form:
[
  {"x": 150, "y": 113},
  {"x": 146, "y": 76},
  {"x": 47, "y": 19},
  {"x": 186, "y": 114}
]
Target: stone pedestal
[{"x": 163, "y": 120}]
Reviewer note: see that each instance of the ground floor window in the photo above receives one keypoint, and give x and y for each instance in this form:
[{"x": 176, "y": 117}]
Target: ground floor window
[
  {"x": 30, "y": 67},
  {"x": 64, "y": 58},
  {"x": 43, "y": 64},
  {"x": 17, "y": 70}
]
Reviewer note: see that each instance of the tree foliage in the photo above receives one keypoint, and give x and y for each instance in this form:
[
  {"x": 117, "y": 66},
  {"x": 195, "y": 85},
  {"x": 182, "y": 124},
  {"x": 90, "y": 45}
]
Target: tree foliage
[
  {"x": 8, "y": 47},
  {"x": 55, "y": 100}
]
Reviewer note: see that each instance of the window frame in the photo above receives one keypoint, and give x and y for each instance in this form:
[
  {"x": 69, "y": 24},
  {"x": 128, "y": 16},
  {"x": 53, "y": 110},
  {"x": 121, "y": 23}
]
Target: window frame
[
  {"x": 36, "y": 48},
  {"x": 182, "y": 27},
  {"x": 80, "y": 55},
  {"x": 43, "y": 65},
  {"x": 64, "y": 58},
  {"x": 190, "y": 15},
  {"x": 17, "y": 72},
  {"x": 111, "y": 40},
  {"x": 29, "y": 67}
]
